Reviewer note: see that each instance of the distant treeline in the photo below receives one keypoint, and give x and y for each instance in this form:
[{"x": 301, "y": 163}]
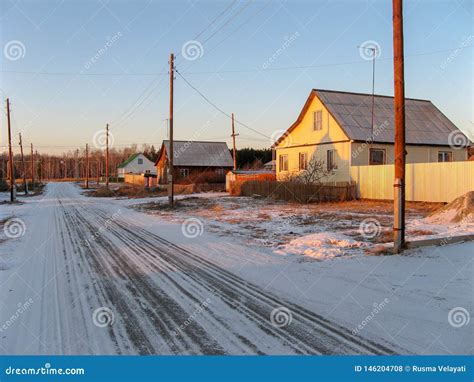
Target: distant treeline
[
  {"x": 249, "y": 158},
  {"x": 71, "y": 164}
]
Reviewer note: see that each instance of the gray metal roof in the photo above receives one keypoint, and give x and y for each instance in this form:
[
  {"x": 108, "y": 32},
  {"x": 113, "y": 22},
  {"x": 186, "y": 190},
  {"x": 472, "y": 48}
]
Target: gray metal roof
[
  {"x": 425, "y": 123},
  {"x": 196, "y": 153}
]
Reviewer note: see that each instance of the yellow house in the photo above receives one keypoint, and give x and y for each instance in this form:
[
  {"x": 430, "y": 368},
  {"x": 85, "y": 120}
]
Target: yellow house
[{"x": 336, "y": 128}]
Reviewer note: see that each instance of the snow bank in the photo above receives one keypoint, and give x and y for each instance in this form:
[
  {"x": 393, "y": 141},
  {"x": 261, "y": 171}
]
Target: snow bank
[
  {"x": 322, "y": 246},
  {"x": 460, "y": 210}
]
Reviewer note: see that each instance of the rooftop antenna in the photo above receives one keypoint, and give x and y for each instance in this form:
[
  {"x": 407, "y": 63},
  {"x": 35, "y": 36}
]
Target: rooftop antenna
[{"x": 373, "y": 50}]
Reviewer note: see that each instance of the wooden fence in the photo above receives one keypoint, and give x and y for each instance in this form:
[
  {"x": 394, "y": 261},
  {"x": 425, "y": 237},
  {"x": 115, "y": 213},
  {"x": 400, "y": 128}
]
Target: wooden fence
[
  {"x": 425, "y": 182},
  {"x": 298, "y": 192},
  {"x": 140, "y": 180},
  {"x": 235, "y": 179}
]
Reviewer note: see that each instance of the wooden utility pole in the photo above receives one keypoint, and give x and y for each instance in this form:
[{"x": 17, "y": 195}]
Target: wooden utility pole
[
  {"x": 374, "y": 55},
  {"x": 399, "y": 108},
  {"x": 233, "y": 143},
  {"x": 10, "y": 155},
  {"x": 38, "y": 166},
  {"x": 76, "y": 164},
  {"x": 171, "y": 153},
  {"x": 87, "y": 165},
  {"x": 32, "y": 168},
  {"x": 98, "y": 173},
  {"x": 25, "y": 183},
  {"x": 107, "y": 156}
]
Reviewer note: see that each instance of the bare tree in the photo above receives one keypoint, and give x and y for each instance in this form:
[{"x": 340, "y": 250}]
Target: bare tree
[{"x": 314, "y": 173}]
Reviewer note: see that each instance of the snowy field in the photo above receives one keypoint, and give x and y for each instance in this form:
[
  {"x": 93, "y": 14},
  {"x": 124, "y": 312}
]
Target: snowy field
[
  {"x": 98, "y": 276},
  {"x": 319, "y": 231}
]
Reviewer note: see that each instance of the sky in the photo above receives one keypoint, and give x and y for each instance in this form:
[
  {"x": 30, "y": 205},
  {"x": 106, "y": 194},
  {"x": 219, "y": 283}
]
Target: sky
[{"x": 71, "y": 67}]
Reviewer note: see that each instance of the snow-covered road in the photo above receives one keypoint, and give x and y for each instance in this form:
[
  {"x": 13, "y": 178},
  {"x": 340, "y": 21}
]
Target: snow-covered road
[{"x": 89, "y": 279}]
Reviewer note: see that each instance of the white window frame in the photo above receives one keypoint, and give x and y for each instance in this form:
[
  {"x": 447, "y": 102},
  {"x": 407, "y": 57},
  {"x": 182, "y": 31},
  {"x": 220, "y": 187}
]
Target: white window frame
[
  {"x": 184, "y": 172},
  {"x": 447, "y": 156},
  {"x": 318, "y": 120},
  {"x": 140, "y": 160}
]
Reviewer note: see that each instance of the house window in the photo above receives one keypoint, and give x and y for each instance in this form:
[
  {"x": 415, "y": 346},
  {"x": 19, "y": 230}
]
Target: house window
[
  {"x": 220, "y": 171},
  {"x": 331, "y": 160},
  {"x": 140, "y": 160},
  {"x": 376, "y": 156},
  {"x": 284, "y": 162},
  {"x": 318, "y": 120},
  {"x": 183, "y": 172},
  {"x": 303, "y": 162},
  {"x": 445, "y": 156}
]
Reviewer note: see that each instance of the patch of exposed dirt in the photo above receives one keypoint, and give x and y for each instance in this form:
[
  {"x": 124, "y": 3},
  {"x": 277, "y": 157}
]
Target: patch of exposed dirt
[{"x": 270, "y": 223}]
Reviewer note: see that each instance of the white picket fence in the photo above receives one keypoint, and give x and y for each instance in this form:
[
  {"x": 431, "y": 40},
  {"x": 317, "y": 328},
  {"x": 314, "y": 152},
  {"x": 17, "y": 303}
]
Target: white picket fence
[{"x": 425, "y": 182}]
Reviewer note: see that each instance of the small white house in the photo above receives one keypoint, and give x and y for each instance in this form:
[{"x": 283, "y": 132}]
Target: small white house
[{"x": 136, "y": 164}]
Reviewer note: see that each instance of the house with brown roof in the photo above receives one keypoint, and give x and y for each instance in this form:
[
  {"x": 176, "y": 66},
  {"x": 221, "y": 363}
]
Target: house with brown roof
[
  {"x": 194, "y": 162},
  {"x": 337, "y": 129}
]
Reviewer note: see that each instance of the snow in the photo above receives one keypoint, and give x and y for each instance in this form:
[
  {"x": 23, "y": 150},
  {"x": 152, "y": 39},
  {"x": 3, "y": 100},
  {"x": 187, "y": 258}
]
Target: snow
[
  {"x": 460, "y": 210},
  {"x": 79, "y": 254},
  {"x": 323, "y": 246}
]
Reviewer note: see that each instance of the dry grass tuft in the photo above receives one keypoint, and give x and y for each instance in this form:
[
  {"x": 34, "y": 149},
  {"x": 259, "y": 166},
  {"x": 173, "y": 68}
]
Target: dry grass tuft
[{"x": 132, "y": 192}]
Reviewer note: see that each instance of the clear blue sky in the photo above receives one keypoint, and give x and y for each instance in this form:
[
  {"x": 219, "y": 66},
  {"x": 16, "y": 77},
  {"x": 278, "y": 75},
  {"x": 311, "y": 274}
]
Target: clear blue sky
[{"x": 71, "y": 98}]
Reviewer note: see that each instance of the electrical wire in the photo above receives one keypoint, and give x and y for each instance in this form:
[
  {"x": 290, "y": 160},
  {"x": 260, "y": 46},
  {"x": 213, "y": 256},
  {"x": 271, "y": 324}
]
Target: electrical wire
[
  {"x": 250, "y": 70},
  {"x": 217, "y": 107}
]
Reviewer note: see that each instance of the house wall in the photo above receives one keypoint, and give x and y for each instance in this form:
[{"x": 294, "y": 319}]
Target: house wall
[
  {"x": 305, "y": 139},
  {"x": 415, "y": 154},
  {"x": 342, "y": 157},
  {"x": 161, "y": 170},
  {"x": 135, "y": 168},
  {"x": 197, "y": 174}
]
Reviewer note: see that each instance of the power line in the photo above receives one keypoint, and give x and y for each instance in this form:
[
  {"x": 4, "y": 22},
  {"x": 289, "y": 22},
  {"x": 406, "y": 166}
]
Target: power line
[
  {"x": 215, "y": 19},
  {"x": 240, "y": 26},
  {"x": 217, "y": 107},
  {"x": 232, "y": 17},
  {"x": 131, "y": 111},
  {"x": 235, "y": 70}
]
